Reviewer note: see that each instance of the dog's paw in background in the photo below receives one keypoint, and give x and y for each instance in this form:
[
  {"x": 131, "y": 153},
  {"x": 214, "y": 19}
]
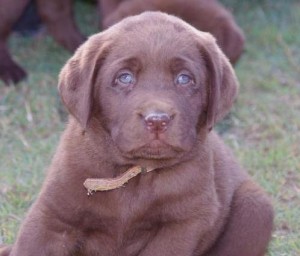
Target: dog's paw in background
[
  {"x": 10, "y": 71},
  {"x": 11, "y": 11}
]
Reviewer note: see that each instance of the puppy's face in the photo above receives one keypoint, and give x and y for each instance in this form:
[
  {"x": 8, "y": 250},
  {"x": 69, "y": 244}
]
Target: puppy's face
[
  {"x": 155, "y": 83},
  {"x": 152, "y": 91}
]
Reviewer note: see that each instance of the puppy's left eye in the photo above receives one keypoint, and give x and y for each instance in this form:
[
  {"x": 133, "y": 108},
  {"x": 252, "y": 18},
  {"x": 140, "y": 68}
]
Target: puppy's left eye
[{"x": 184, "y": 79}]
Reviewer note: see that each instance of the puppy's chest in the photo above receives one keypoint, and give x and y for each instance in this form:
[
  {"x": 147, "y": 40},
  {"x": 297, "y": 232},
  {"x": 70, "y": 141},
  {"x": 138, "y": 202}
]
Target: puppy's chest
[
  {"x": 124, "y": 219},
  {"x": 123, "y": 208},
  {"x": 145, "y": 203},
  {"x": 129, "y": 217}
]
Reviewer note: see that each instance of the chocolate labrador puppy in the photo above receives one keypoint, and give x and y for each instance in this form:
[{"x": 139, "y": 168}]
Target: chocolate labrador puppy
[{"x": 147, "y": 93}]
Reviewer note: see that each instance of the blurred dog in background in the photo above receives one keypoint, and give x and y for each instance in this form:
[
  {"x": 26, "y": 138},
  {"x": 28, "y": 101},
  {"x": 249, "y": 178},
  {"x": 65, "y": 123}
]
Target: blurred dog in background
[
  {"x": 57, "y": 15},
  {"x": 209, "y": 16}
]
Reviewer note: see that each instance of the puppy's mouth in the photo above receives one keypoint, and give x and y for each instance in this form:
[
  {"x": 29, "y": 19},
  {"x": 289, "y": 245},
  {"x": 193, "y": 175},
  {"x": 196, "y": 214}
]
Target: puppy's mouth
[{"x": 156, "y": 150}]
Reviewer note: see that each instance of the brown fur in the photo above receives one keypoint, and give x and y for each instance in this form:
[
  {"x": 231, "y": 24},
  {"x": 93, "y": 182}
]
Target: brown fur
[
  {"x": 10, "y": 11},
  {"x": 58, "y": 17},
  {"x": 209, "y": 16},
  {"x": 198, "y": 200}
]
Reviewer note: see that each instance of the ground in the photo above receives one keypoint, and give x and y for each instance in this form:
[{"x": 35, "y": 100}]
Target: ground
[{"x": 263, "y": 128}]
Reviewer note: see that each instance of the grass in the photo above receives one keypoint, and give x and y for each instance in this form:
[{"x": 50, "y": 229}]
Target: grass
[{"x": 265, "y": 122}]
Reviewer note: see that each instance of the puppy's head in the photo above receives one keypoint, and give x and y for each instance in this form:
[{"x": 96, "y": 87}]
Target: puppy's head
[{"x": 154, "y": 83}]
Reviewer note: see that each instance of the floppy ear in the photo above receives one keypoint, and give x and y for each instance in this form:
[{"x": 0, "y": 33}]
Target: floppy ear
[
  {"x": 78, "y": 76},
  {"x": 222, "y": 82}
]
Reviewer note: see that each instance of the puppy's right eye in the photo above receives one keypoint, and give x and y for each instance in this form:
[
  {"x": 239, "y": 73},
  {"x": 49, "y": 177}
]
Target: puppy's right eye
[
  {"x": 125, "y": 78},
  {"x": 184, "y": 80}
]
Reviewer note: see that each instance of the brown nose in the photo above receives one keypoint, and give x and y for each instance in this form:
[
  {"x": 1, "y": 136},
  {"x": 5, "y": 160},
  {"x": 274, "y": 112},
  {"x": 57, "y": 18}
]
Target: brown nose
[{"x": 157, "y": 121}]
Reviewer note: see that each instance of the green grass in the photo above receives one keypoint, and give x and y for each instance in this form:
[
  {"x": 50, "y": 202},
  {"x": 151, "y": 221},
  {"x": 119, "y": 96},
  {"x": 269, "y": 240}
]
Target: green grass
[{"x": 264, "y": 125}]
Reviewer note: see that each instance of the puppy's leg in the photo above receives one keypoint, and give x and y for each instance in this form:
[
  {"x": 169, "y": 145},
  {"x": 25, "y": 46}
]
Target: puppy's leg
[
  {"x": 44, "y": 234},
  {"x": 5, "y": 250},
  {"x": 10, "y": 71},
  {"x": 249, "y": 226},
  {"x": 59, "y": 20},
  {"x": 174, "y": 239},
  {"x": 10, "y": 12}
]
